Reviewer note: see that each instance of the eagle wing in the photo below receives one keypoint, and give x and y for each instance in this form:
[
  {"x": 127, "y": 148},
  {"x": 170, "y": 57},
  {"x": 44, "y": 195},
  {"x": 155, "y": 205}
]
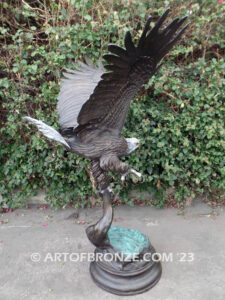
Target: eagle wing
[
  {"x": 129, "y": 69},
  {"x": 76, "y": 88}
]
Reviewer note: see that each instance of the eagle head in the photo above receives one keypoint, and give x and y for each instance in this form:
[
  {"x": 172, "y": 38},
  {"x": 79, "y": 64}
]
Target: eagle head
[{"x": 132, "y": 144}]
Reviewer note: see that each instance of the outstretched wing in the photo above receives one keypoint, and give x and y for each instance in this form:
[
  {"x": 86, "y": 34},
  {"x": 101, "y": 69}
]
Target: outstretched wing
[
  {"x": 76, "y": 88},
  {"x": 129, "y": 69}
]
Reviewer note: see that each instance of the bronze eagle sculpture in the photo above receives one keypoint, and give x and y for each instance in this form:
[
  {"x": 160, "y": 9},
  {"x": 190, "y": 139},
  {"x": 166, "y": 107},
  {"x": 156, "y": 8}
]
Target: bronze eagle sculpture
[{"x": 93, "y": 101}]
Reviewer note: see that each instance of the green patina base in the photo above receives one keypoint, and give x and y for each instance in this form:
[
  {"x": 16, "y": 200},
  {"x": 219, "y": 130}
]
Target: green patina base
[
  {"x": 129, "y": 242},
  {"x": 127, "y": 276}
]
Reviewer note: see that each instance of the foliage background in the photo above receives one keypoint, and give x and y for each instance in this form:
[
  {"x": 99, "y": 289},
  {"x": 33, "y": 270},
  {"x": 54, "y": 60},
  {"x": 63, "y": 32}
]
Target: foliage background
[{"x": 179, "y": 115}]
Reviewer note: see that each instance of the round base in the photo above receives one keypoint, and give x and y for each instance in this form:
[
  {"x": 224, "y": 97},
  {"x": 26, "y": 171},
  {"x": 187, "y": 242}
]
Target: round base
[{"x": 126, "y": 282}]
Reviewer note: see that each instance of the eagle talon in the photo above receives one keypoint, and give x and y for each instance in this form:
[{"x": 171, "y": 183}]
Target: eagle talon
[{"x": 131, "y": 171}]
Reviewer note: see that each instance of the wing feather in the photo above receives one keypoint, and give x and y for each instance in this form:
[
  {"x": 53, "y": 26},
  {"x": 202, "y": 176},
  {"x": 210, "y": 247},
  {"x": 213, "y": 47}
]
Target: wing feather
[
  {"x": 129, "y": 69},
  {"x": 76, "y": 88}
]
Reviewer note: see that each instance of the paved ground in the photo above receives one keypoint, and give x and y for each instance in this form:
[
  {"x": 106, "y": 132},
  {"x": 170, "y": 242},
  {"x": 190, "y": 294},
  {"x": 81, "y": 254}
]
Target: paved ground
[{"x": 198, "y": 235}]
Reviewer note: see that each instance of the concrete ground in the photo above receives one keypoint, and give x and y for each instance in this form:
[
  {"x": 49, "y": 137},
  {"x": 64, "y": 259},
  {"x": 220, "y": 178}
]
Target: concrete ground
[{"x": 30, "y": 239}]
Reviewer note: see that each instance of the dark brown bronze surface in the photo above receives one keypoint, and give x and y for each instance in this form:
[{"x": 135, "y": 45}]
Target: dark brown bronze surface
[
  {"x": 97, "y": 233},
  {"x": 133, "y": 278},
  {"x": 93, "y": 103},
  {"x": 121, "y": 277}
]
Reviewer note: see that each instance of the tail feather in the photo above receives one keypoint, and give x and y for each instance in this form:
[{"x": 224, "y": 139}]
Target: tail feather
[{"x": 47, "y": 131}]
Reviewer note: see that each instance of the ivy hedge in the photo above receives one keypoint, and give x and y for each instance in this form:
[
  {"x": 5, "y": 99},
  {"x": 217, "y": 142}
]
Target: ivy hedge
[{"x": 178, "y": 115}]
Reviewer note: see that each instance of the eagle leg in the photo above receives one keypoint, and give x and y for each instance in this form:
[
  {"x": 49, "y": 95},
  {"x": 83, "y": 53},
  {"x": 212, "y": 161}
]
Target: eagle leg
[
  {"x": 113, "y": 164},
  {"x": 101, "y": 180}
]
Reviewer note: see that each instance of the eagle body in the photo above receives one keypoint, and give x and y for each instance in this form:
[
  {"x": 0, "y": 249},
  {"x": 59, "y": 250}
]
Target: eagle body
[
  {"x": 102, "y": 144},
  {"x": 94, "y": 100}
]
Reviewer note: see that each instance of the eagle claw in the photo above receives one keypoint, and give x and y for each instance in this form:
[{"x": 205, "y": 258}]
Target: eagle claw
[{"x": 131, "y": 171}]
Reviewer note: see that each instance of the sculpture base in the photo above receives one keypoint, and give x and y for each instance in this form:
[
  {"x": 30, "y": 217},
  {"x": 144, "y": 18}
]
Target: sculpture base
[
  {"x": 123, "y": 272},
  {"x": 123, "y": 283}
]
